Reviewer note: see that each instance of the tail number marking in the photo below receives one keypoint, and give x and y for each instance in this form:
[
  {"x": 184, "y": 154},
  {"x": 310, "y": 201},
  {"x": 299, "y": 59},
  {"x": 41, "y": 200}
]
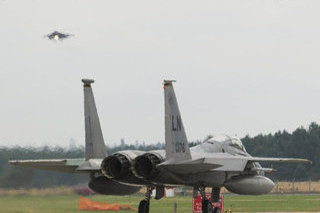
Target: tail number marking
[
  {"x": 176, "y": 126},
  {"x": 180, "y": 147}
]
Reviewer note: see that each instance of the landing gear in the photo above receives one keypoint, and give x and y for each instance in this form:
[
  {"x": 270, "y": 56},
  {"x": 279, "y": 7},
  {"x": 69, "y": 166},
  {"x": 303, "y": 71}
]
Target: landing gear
[
  {"x": 207, "y": 206},
  {"x": 215, "y": 198},
  {"x": 159, "y": 192},
  {"x": 216, "y": 210},
  {"x": 144, "y": 204}
]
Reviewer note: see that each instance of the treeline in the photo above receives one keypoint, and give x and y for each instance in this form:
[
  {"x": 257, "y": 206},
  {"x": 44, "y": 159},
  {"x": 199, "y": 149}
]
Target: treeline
[
  {"x": 18, "y": 177},
  {"x": 302, "y": 143}
]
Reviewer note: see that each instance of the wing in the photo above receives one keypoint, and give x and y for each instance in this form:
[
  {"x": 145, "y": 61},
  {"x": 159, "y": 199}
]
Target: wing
[
  {"x": 280, "y": 160},
  {"x": 221, "y": 162},
  {"x": 62, "y": 165}
]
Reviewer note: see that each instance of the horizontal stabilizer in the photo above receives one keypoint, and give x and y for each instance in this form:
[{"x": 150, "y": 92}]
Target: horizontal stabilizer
[
  {"x": 63, "y": 165},
  {"x": 90, "y": 165},
  {"x": 229, "y": 163},
  {"x": 188, "y": 167}
]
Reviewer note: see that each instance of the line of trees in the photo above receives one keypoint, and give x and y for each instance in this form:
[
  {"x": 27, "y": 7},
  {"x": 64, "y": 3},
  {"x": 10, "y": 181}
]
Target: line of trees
[{"x": 302, "y": 143}]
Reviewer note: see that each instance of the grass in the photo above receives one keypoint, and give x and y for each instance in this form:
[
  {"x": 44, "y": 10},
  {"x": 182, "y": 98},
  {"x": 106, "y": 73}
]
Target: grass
[
  {"x": 273, "y": 203},
  {"x": 69, "y": 203},
  {"x": 287, "y": 187}
]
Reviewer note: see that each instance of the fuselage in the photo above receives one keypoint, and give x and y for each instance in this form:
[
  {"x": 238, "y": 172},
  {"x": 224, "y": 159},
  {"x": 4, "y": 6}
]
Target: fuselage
[{"x": 250, "y": 181}]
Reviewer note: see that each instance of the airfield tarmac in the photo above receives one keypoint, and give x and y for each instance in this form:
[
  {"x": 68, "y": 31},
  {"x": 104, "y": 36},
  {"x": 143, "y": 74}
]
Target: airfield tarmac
[{"x": 69, "y": 203}]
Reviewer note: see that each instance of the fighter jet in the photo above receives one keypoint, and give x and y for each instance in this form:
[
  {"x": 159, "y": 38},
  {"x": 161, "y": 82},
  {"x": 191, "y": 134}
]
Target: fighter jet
[
  {"x": 58, "y": 36},
  {"x": 217, "y": 162}
]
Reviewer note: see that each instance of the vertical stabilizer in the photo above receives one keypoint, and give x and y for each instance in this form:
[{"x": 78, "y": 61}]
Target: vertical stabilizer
[
  {"x": 95, "y": 147},
  {"x": 177, "y": 148}
]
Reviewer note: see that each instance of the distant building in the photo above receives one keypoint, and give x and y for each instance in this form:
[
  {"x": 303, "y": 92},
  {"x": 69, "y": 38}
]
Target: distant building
[{"x": 168, "y": 192}]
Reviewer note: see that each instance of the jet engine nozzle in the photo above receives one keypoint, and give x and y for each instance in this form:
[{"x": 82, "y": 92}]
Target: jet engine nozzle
[
  {"x": 115, "y": 166},
  {"x": 144, "y": 166}
]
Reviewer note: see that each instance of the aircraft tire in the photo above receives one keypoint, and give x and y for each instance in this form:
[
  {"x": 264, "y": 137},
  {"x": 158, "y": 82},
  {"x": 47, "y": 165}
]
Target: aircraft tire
[
  {"x": 143, "y": 206},
  {"x": 216, "y": 210},
  {"x": 207, "y": 206}
]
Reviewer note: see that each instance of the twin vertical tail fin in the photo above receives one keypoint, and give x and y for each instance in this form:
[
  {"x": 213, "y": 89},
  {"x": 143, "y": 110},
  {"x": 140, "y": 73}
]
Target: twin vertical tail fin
[
  {"x": 95, "y": 147},
  {"x": 177, "y": 148}
]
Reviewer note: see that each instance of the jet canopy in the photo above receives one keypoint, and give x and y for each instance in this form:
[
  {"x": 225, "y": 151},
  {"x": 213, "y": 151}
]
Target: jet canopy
[{"x": 226, "y": 140}]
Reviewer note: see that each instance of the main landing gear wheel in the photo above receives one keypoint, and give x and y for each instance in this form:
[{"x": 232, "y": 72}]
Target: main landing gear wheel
[
  {"x": 216, "y": 210},
  {"x": 207, "y": 206},
  {"x": 215, "y": 197},
  {"x": 144, "y": 206}
]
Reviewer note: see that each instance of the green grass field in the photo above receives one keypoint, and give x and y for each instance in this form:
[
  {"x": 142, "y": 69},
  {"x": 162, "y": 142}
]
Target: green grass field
[{"x": 69, "y": 203}]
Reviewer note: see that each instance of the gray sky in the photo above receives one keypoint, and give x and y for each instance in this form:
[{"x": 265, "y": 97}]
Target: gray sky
[{"x": 242, "y": 67}]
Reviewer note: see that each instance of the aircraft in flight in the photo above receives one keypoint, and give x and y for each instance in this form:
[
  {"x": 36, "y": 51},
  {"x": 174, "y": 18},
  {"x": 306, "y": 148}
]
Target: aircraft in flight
[
  {"x": 58, "y": 36},
  {"x": 217, "y": 162}
]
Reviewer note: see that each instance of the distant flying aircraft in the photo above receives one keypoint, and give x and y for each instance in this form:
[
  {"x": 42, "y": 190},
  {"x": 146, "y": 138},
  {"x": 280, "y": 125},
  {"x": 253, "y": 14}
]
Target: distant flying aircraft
[
  {"x": 58, "y": 36},
  {"x": 217, "y": 162}
]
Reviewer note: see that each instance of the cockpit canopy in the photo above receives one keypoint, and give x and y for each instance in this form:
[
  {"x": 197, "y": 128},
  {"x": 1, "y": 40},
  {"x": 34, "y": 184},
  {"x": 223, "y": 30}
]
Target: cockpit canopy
[{"x": 226, "y": 140}]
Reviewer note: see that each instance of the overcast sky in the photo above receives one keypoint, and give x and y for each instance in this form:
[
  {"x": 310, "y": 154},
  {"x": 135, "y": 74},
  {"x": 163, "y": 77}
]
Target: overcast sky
[{"x": 242, "y": 67}]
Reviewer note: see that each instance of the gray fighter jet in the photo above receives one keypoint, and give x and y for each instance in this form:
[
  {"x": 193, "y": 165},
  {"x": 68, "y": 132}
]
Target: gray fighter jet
[
  {"x": 58, "y": 36},
  {"x": 216, "y": 162}
]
